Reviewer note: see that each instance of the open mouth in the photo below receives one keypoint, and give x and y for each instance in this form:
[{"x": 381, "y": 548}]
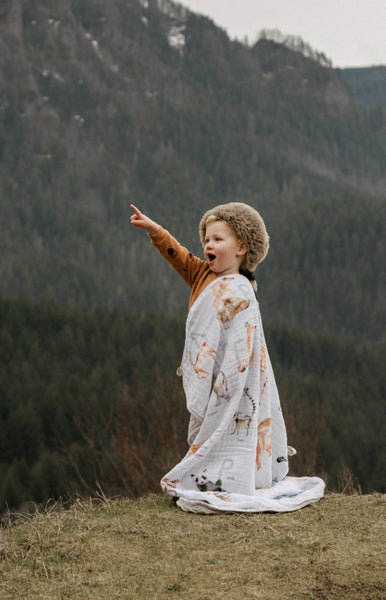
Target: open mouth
[{"x": 211, "y": 257}]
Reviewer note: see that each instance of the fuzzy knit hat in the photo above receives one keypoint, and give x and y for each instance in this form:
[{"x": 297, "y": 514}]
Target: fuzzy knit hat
[{"x": 247, "y": 225}]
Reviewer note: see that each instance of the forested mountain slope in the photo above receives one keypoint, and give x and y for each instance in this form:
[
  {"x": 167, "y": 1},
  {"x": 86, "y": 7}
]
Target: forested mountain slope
[
  {"x": 91, "y": 397},
  {"x": 368, "y": 85},
  {"x": 105, "y": 103}
]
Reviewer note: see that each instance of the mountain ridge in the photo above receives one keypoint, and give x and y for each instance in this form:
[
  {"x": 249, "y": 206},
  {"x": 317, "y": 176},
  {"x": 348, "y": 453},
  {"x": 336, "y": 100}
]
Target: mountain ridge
[{"x": 103, "y": 104}]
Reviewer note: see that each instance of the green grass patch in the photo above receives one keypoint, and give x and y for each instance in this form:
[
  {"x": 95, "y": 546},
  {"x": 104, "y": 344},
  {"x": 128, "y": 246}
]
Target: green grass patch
[{"x": 148, "y": 548}]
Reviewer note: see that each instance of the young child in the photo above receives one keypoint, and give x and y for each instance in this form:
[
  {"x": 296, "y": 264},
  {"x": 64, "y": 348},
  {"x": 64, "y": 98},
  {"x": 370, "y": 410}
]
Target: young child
[{"x": 238, "y": 455}]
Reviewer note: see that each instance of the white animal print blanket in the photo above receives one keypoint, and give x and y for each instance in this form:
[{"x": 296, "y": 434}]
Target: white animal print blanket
[{"x": 238, "y": 455}]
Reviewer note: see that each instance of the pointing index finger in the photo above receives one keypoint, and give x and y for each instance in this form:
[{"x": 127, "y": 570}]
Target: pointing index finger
[{"x": 135, "y": 209}]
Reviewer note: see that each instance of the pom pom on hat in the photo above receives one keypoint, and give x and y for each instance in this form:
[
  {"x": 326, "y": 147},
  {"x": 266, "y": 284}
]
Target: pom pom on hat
[{"x": 247, "y": 225}]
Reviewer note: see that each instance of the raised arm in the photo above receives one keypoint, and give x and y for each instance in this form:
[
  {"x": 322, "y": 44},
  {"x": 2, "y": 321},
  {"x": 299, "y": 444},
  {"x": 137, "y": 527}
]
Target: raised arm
[
  {"x": 186, "y": 265},
  {"x": 138, "y": 219}
]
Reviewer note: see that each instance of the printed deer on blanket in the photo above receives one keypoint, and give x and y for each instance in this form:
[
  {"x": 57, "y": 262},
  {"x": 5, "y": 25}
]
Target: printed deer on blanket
[
  {"x": 264, "y": 441},
  {"x": 226, "y": 302},
  {"x": 198, "y": 366}
]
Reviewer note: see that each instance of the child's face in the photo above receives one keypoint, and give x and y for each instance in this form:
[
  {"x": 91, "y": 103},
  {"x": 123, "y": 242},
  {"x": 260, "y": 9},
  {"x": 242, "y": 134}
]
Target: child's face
[{"x": 222, "y": 249}]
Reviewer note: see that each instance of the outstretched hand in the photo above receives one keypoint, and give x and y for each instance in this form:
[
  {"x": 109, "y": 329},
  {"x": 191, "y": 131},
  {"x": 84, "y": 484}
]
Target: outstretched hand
[{"x": 140, "y": 220}]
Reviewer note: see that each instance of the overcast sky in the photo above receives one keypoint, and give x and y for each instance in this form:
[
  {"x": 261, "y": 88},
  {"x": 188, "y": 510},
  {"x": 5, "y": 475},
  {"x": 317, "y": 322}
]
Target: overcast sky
[{"x": 352, "y": 33}]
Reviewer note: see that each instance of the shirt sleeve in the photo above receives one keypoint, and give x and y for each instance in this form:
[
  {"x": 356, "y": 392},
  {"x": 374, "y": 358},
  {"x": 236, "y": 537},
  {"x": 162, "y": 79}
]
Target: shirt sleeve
[{"x": 184, "y": 262}]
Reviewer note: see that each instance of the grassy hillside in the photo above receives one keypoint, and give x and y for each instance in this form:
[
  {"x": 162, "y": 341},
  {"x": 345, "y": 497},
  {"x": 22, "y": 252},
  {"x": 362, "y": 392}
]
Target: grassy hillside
[{"x": 121, "y": 550}]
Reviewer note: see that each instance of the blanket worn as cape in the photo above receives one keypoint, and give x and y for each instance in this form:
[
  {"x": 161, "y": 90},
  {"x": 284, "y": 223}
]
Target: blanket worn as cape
[{"x": 238, "y": 455}]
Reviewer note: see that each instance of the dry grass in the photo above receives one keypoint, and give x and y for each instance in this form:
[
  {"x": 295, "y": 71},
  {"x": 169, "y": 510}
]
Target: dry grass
[{"x": 149, "y": 549}]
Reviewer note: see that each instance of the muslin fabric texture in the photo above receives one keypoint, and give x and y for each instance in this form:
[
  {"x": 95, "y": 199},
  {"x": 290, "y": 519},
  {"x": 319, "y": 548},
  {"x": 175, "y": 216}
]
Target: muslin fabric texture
[{"x": 238, "y": 455}]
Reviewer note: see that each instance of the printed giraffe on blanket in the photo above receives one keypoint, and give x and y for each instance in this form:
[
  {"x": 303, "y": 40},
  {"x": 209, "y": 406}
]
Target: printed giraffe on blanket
[
  {"x": 263, "y": 370},
  {"x": 250, "y": 338},
  {"x": 264, "y": 441}
]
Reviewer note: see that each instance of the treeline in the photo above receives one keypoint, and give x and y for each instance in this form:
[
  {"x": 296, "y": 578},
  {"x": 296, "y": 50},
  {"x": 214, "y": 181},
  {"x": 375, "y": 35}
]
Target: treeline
[
  {"x": 89, "y": 398},
  {"x": 369, "y": 87},
  {"x": 368, "y": 84},
  {"x": 325, "y": 270}
]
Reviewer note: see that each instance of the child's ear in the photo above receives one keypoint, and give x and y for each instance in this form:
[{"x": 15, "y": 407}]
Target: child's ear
[{"x": 243, "y": 249}]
